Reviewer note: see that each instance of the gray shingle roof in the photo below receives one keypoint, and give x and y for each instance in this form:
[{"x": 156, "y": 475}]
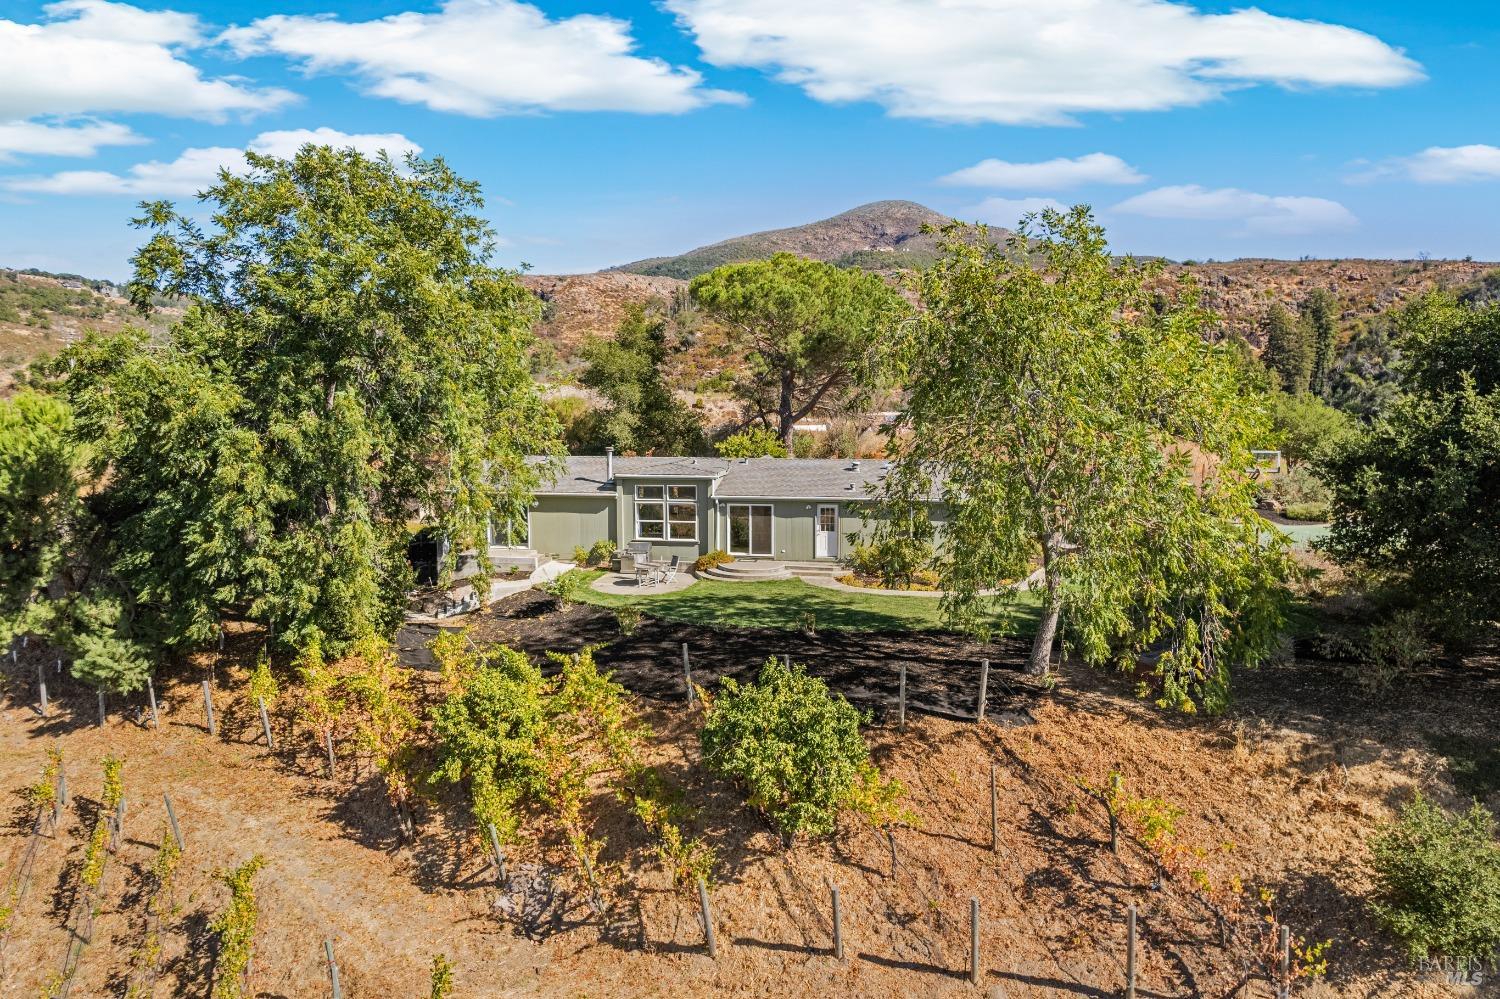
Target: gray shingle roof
[
  {"x": 802, "y": 478},
  {"x": 748, "y": 478},
  {"x": 585, "y": 474}
]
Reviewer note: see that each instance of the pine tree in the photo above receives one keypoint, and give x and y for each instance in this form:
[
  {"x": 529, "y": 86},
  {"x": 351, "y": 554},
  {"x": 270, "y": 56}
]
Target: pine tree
[
  {"x": 1319, "y": 311},
  {"x": 1288, "y": 351}
]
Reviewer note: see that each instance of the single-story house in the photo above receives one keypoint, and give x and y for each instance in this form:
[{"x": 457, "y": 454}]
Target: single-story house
[{"x": 789, "y": 509}]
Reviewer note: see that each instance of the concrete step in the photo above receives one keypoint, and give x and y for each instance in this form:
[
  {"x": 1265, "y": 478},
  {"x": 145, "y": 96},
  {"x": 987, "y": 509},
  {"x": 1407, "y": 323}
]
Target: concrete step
[
  {"x": 829, "y": 569},
  {"x": 749, "y": 571}
]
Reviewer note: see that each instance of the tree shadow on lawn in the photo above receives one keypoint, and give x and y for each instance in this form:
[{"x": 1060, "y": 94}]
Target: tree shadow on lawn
[{"x": 864, "y": 665}]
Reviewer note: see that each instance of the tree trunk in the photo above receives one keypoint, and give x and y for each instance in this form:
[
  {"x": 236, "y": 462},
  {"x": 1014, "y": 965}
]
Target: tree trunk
[
  {"x": 1046, "y": 631},
  {"x": 784, "y": 411}
]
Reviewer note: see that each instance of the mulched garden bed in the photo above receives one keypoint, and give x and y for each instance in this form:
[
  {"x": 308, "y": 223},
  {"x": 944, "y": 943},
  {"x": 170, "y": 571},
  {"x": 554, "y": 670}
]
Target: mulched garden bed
[{"x": 942, "y": 668}]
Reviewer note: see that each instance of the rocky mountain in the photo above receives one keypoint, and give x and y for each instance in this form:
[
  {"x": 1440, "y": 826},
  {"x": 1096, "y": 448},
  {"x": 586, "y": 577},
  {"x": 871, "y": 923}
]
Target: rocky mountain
[
  {"x": 1240, "y": 291},
  {"x": 41, "y": 312},
  {"x": 879, "y": 236}
]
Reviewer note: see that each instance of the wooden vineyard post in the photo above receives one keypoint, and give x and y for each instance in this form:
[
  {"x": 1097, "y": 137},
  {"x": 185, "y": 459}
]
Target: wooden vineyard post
[
  {"x": 101, "y": 709},
  {"x": 838, "y": 925},
  {"x": 984, "y": 686},
  {"x": 973, "y": 941},
  {"x": 1130, "y": 952},
  {"x": 788, "y": 659},
  {"x": 1284, "y": 955},
  {"x": 151, "y": 699},
  {"x": 117, "y": 834},
  {"x": 333, "y": 970},
  {"x": 265, "y": 722},
  {"x": 328, "y": 739},
  {"x": 687, "y": 673},
  {"x": 500, "y": 878},
  {"x": 41, "y": 683},
  {"x": 994, "y": 811},
  {"x": 172, "y": 821},
  {"x": 208, "y": 709},
  {"x": 708, "y": 920},
  {"x": 901, "y": 701}
]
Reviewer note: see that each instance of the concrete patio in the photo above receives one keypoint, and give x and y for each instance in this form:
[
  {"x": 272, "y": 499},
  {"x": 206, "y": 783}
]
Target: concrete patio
[{"x": 625, "y": 584}]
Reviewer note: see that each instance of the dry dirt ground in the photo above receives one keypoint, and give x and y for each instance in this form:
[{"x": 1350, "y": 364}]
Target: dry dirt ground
[{"x": 1281, "y": 793}]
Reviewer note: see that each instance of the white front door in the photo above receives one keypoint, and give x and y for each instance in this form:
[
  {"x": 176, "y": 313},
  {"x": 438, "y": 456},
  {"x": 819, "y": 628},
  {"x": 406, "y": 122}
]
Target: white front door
[{"x": 826, "y": 532}]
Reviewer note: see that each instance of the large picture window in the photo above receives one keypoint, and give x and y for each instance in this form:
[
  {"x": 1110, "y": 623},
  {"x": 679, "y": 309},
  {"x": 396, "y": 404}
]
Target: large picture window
[{"x": 666, "y": 513}]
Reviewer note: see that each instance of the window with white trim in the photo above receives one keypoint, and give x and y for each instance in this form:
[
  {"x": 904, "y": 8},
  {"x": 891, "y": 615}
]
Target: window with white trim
[{"x": 666, "y": 513}]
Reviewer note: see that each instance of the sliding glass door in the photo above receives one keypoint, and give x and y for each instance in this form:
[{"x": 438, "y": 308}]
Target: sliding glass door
[{"x": 750, "y": 529}]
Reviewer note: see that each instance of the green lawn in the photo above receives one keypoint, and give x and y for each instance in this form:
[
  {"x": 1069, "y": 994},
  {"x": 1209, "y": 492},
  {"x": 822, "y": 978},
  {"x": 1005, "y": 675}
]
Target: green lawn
[{"x": 784, "y": 603}]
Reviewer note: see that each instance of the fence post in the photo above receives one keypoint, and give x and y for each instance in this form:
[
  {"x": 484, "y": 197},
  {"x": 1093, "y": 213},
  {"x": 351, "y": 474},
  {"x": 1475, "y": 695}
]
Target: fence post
[
  {"x": 118, "y": 834},
  {"x": 838, "y": 925},
  {"x": 687, "y": 673},
  {"x": 172, "y": 821},
  {"x": 328, "y": 738},
  {"x": 265, "y": 722},
  {"x": 41, "y": 684},
  {"x": 973, "y": 940},
  {"x": 333, "y": 970},
  {"x": 208, "y": 709},
  {"x": 984, "y": 686},
  {"x": 1130, "y": 952},
  {"x": 1284, "y": 955},
  {"x": 151, "y": 697},
  {"x": 994, "y": 811},
  {"x": 101, "y": 709},
  {"x": 708, "y": 920},
  {"x": 62, "y": 787},
  {"x": 901, "y": 701},
  {"x": 499, "y": 855}
]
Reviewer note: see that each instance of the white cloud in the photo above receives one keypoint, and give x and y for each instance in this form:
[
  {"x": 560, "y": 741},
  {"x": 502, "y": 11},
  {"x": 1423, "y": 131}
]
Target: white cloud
[
  {"x": 485, "y": 57},
  {"x": 198, "y": 168},
  {"x": 84, "y": 138},
  {"x": 1008, "y": 211},
  {"x": 93, "y": 57},
  {"x": 1031, "y": 62},
  {"x": 1095, "y": 168},
  {"x": 1256, "y": 214},
  {"x": 1441, "y": 165}
]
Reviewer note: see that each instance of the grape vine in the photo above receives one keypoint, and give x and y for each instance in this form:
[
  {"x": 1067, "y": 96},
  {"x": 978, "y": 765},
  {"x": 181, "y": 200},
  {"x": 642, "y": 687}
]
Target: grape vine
[{"x": 235, "y": 927}]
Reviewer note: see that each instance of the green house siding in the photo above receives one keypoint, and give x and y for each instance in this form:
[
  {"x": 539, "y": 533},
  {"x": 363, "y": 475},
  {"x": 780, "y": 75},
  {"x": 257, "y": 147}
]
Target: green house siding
[
  {"x": 665, "y": 548},
  {"x": 793, "y": 526},
  {"x": 561, "y": 523}
]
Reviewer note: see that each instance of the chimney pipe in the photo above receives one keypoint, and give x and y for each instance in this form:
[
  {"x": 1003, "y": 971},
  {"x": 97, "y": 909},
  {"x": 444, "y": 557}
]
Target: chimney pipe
[{"x": 609, "y": 464}]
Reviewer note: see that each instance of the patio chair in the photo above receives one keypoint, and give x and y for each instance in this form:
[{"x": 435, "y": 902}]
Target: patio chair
[{"x": 669, "y": 573}]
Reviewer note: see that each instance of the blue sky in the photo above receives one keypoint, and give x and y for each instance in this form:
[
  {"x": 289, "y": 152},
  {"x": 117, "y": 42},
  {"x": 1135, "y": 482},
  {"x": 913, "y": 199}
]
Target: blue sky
[{"x": 604, "y": 131}]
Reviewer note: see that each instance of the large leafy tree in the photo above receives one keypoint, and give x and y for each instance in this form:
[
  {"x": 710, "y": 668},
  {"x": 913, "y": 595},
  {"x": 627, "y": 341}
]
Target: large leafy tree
[
  {"x": 812, "y": 332},
  {"x": 41, "y": 472},
  {"x": 1303, "y": 425},
  {"x": 1071, "y": 424},
  {"x": 641, "y": 413},
  {"x": 349, "y": 364},
  {"x": 1418, "y": 493},
  {"x": 55, "y": 577}
]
